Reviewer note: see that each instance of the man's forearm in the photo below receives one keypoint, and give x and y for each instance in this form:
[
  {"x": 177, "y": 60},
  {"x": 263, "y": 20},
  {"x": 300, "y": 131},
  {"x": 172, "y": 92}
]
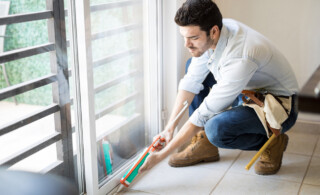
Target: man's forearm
[
  {"x": 186, "y": 133},
  {"x": 180, "y": 99}
]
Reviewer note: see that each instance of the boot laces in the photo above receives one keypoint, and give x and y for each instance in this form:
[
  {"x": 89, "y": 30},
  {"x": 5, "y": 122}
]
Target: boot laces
[
  {"x": 194, "y": 139},
  {"x": 266, "y": 155}
]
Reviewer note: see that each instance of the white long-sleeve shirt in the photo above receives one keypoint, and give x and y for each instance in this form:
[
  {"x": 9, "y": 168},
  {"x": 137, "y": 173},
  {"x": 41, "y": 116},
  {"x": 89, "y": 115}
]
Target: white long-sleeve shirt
[{"x": 243, "y": 59}]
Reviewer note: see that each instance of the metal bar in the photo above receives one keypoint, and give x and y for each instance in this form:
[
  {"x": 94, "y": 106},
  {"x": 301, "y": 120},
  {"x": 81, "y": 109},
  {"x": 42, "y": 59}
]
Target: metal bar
[
  {"x": 28, "y": 151},
  {"x": 25, "y": 120},
  {"x": 115, "y": 57},
  {"x": 115, "y": 81},
  {"x": 113, "y": 31},
  {"x": 127, "y": 122},
  {"x": 26, "y": 86},
  {"x": 25, "y": 52},
  {"x": 111, "y": 5},
  {"x": 116, "y": 105},
  {"x": 18, "y": 18},
  {"x": 54, "y": 168},
  {"x": 60, "y": 89}
]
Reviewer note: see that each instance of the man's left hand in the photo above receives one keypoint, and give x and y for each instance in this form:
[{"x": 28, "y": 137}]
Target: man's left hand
[{"x": 153, "y": 159}]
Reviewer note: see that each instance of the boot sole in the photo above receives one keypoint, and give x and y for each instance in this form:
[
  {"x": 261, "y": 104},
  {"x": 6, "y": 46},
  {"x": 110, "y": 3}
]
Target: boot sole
[
  {"x": 276, "y": 170},
  {"x": 210, "y": 159}
]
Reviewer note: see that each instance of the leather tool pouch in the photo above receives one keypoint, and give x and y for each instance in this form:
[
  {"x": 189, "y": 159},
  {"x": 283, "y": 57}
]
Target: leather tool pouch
[{"x": 271, "y": 110}]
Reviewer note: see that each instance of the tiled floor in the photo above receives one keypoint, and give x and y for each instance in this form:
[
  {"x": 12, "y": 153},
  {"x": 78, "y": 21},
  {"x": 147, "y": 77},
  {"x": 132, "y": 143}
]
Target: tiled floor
[{"x": 299, "y": 174}]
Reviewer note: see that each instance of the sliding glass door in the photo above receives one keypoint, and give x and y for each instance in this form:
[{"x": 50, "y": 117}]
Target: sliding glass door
[
  {"x": 80, "y": 90},
  {"x": 117, "y": 92}
]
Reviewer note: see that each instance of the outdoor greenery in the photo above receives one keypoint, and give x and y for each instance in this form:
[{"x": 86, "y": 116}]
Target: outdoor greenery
[{"x": 22, "y": 35}]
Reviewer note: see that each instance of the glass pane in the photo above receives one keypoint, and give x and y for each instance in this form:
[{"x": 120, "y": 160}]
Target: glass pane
[
  {"x": 119, "y": 83},
  {"x": 26, "y": 136},
  {"x": 25, "y": 69},
  {"x": 22, "y": 35},
  {"x": 39, "y": 161},
  {"x": 115, "y": 17},
  {"x": 24, "y": 104},
  {"x": 16, "y": 141},
  {"x": 113, "y": 44},
  {"x": 23, "y": 6}
]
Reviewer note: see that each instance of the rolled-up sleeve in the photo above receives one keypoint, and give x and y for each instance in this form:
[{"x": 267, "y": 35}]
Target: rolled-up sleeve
[
  {"x": 196, "y": 74},
  {"x": 235, "y": 75}
]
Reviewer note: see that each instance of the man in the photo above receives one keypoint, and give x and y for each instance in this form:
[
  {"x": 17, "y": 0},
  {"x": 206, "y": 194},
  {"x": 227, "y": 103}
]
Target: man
[{"x": 228, "y": 57}]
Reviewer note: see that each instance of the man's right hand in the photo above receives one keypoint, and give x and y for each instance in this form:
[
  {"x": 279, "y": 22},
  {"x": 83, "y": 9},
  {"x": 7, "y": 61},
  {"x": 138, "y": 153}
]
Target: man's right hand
[{"x": 167, "y": 135}]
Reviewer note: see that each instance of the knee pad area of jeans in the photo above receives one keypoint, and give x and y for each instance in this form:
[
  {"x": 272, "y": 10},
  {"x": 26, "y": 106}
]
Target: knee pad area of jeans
[{"x": 214, "y": 132}]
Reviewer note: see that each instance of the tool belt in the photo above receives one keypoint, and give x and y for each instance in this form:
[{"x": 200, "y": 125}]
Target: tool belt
[{"x": 271, "y": 110}]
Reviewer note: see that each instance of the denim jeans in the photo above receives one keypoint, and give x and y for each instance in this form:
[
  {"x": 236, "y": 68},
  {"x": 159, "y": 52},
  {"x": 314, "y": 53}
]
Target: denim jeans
[{"x": 239, "y": 127}]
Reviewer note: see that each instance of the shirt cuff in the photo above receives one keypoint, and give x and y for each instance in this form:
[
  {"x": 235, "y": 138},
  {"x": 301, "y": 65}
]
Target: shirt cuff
[
  {"x": 190, "y": 86},
  {"x": 197, "y": 119}
]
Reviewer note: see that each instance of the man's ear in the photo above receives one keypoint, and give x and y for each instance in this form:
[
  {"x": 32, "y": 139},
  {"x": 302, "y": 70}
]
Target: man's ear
[{"x": 213, "y": 32}]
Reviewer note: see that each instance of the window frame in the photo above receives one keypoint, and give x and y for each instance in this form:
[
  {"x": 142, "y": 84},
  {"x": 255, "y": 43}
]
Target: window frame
[{"x": 153, "y": 68}]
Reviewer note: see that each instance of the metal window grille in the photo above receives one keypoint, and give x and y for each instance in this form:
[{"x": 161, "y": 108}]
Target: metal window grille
[{"x": 57, "y": 47}]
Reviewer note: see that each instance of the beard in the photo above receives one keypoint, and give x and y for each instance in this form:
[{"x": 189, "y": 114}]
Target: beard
[{"x": 197, "y": 52}]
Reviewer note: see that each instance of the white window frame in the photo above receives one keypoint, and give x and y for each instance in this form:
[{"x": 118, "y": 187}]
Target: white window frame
[{"x": 153, "y": 68}]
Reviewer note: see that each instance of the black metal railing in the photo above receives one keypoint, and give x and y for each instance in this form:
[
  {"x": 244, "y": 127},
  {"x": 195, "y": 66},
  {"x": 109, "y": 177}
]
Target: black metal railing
[{"x": 59, "y": 80}]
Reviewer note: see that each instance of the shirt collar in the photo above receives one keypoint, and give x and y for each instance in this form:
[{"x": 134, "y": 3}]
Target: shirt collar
[{"x": 221, "y": 45}]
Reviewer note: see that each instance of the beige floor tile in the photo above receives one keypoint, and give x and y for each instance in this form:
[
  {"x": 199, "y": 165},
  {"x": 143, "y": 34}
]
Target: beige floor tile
[
  {"x": 163, "y": 179},
  {"x": 293, "y": 166},
  {"x": 300, "y": 143},
  {"x": 236, "y": 183},
  {"x": 133, "y": 192},
  {"x": 227, "y": 157},
  {"x": 317, "y": 151},
  {"x": 307, "y": 125},
  {"x": 313, "y": 175},
  {"x": 309, "y": 190}
]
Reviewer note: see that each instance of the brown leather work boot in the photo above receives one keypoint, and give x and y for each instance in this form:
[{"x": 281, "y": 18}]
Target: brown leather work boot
[
  {"x": 200, "y": 150},
  {"x": 271, "y": 159}
]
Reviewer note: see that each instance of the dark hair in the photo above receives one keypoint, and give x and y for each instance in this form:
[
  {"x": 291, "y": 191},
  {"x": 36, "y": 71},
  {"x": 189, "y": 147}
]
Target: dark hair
[{"x": 203, "y": 13}]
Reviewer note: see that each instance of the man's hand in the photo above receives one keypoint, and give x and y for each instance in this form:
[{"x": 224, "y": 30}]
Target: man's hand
[
  {"x": 153, "y": 159},
  {"x": 167, "y": 135},
  {"x": 187, "y": 131}
]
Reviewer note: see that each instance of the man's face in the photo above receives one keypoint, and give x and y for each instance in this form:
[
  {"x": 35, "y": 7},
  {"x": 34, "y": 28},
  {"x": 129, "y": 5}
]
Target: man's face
[{"x": 195, "y": 40}]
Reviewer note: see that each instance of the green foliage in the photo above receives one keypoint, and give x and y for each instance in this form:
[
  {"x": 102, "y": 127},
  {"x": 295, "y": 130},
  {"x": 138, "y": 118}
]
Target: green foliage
[{"x": 23, "y": 35}]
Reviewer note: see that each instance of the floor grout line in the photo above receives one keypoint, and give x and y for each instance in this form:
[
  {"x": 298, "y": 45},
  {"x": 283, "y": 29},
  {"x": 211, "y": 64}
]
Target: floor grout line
[
  {"x": 225, "y": 173},
  {"x": 314, "y": 185},
  {"x": 305, "y": 174},
  {"x": 273, "y": 178}
]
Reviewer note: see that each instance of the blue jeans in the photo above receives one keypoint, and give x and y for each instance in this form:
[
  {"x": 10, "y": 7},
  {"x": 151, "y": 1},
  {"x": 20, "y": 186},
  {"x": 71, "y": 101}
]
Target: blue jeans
[{"x": 239, "y": 127}]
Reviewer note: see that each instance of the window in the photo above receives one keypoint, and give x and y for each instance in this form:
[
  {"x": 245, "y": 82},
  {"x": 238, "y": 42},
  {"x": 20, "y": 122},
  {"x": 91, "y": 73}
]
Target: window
[
  {"x": 79, "y": 87},
  {"x": 116, "y": 86}
]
